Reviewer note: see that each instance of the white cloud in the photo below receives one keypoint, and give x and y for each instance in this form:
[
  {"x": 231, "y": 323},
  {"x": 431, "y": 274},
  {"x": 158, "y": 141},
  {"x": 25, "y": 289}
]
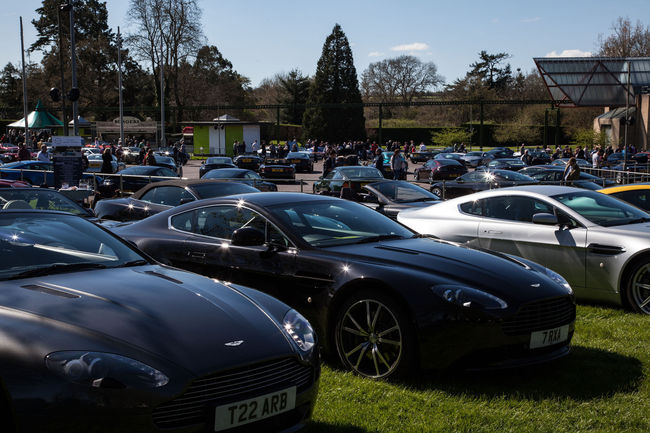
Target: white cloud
[
  {"x": 569, "y": 53},
  {"x": 416, "y": 46},
  {"x": 375, "y": 54},
  {"x": 531, "y": 20}
]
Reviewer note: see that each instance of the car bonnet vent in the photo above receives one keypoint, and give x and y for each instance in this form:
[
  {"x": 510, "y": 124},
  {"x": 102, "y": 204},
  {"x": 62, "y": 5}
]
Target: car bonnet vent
[
  {"x": 397, "y": 249},
  {"x": 164, "y": 277},
  {"x": 49, "y": 291}
]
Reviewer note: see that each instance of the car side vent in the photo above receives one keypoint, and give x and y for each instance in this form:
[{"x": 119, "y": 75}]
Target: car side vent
[
  {"x": 50, "y": 291},
  {"x": 607, "y": 250},
  {"x": 164, "y": 277},
  {"x": 399, "y": 250}
]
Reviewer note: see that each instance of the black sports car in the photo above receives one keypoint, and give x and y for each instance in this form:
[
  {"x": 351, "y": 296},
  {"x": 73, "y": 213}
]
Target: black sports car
[
  {"x": 301, "y": 161},
  {"x": 416, "y": 157},
  {"x": 241, "y": 175},
  {"x": 392, "y": 196},
  {"x": 215, "y": 162},
  {"x": 353, "y": 177},
  {"x": 133, "y": 178},
  {"x": 480, "y": 181},
  {"x": 42, "y": 199},
  {"x": 554, "y": 176},
  {"x": 513, "y": 164},
  {"x": 382, "y": 297},
  {"x": 98, "y": 337},
  {"x": 248, "y": 161},
  {"x": 278, "y": 168},
  {"x": 159, "y": 196}
]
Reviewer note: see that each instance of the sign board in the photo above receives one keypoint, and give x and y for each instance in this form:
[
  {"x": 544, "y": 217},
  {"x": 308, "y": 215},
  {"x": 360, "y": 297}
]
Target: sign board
[{"x": 68, "y": 166}]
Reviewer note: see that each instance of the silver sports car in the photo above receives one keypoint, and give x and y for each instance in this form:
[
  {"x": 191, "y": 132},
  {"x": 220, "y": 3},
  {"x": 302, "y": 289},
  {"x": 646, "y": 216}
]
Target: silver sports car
[{"x": 600, "y": 244}]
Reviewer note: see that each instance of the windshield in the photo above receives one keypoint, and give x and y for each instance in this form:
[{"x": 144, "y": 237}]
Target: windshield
[
  {"x": 334, "y": 223},
  {"x": 219, "y": 189},
  {"x": 218, "y": 160},
  {"x": 512, "y": 175},
  {"x": 361, "y": 173},
  {"x": 403, "y": 192},
  {"x": 34, "y": 244},
  {"x": 40, "y": 199},
  {"x": 223, "y": 173},
  {"x": 602, "y": 209}
]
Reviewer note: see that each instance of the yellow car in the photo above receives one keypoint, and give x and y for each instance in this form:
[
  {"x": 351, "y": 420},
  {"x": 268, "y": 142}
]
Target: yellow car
[{"x": 637, "y": 194}]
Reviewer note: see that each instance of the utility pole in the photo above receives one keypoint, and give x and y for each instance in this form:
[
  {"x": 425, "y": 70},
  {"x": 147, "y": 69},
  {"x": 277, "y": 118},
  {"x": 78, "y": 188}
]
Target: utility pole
[
  {"x": 627, "y": 115},
  {"x": 162, "y": 93},
  {"x": 25, "y": 110},
  {"x": 63, "y": 96}
]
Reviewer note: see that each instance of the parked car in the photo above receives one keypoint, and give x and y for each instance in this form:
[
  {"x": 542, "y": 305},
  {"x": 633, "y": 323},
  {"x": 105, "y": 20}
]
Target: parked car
[
  {"x": 6, "y": 183},
  {"x": 277, "y": 168},
  {"x": 130, "y": 155},
  {"x": 384, "y": 299},
  {"x": 514, "y": 164},
  {"x": 215, "y": 162},
  {"x": 301, "y": 161},
  {"x": 36, "y": 173},
  {"x": 553, "y": 175},
  {"x": 637, "y": 194},
  {"x": 241, "y": 175},
  {"x": 133, "y": 178},
  {"x": 562, "y": 162},
  {"x": 159, "y": 196},
  {"x": 496, "y": 153},
  {"x": 90, "y": 322},
  {"x": 458, "y": 157},
  {"x": 539, "y": 157},
  {"x": 438, "y": 169},
  {"x": 418, "y": 157},
  {"x": 480, "y": 181},
  {"x": 95, "y": 162},
  {"x": 472, "y": 159},
  {"x": 167, "y": 162},
  {"x": 249, "y": 161},
  {"x": 600, "y": 244},
  {"x": 41, "y": 199},
  {"x": 353, "y": 177},
  {"x": 389, "y": 197}
]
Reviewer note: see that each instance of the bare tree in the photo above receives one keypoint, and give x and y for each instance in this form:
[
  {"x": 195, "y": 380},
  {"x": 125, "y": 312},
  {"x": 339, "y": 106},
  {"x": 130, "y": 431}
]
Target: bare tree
[
  {"x": 174, "y": 25},
  {"x": 626, "y": 40},
  {"x": 400, "y": 79}
]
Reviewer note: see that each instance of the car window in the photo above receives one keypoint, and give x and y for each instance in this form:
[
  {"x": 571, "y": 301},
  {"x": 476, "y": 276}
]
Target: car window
[
  {"x": 601, "y": 209},
  {"x": 41, "y": 199},
  {"x": 639, "y": 198},
  {"x": 474, "y": 207},
  {"x": 515, "y": 208},
  {"x": 166, "y": 172},
  {"x": 167, "y": 195},
  {"x": 221, "y": 221}
]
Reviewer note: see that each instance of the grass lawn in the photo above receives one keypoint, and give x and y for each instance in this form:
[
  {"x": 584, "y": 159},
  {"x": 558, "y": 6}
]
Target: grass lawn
[{"x": 602, "y": 386}]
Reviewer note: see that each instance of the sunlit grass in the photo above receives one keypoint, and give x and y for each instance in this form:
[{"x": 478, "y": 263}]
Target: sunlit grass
[{"x": 602, "y": 386}]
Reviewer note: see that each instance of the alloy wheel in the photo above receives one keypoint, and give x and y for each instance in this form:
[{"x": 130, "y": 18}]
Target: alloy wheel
[
  {"x": 639, "y": 290},
  {"x": 369, "y": 339}
]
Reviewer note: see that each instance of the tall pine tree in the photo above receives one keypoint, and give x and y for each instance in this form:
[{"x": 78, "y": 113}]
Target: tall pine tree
[
  {"x": 296, "y": 91},
  {"x": 335, "y": 82}
]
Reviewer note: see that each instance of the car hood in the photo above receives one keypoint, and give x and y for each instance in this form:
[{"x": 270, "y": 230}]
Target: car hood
[
  {"x": 635, "y": 230},
  {"x": 449, "y": 263},
  {"x": 179, "y": 316}
]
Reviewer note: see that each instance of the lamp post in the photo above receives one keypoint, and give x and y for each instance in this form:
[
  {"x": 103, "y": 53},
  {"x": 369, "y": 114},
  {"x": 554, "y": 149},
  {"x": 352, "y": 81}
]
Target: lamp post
[
  {"x": 74, "y": 91},
  {"x": 62, "y": 8}
]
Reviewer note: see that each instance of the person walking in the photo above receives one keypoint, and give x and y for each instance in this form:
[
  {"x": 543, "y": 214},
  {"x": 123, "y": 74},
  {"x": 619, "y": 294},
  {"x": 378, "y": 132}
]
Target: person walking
[
  {"x": 397, "y": 164},
  {"x": 571, "y": 172},
  {"x": 23, "y": 153},
  {"x": 43, "y": 155},
  {"x": 330, "y": 163}
]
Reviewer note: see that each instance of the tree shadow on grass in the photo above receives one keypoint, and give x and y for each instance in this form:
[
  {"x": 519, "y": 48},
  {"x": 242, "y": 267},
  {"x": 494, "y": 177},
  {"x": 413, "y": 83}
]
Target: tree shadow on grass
[
  {"x": 318, "y": 426},
  {"x": 585, "y": 374}
]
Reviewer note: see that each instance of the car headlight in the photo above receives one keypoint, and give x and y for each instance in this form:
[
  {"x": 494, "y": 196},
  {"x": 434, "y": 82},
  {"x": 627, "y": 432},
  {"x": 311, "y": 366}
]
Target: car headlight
[
  {"x": 105, "y": 370},
  {"x": 558, "y": 279},
  {"x": 299, "y": 330},
  {"x": 469, "y": 298}
]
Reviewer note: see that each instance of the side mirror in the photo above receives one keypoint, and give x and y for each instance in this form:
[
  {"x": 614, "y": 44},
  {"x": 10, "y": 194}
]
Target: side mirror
[
  {"x": 459, "y": 180},
  {"x": 248, "y": 237},
  {"x": 545, "y": 219},
  {"x": 186, "y": 200}
]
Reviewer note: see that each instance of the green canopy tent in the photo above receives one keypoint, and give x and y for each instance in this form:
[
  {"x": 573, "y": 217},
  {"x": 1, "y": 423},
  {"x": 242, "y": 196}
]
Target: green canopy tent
[{"x": 38, "y": 119}]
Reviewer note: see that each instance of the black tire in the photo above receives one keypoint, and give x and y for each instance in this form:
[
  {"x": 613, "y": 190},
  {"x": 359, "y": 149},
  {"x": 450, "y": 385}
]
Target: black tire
[
  {"x": 638, "y": 287},
  {"x": 374, "y": 337},
  {"x": 437, "y": 191}
]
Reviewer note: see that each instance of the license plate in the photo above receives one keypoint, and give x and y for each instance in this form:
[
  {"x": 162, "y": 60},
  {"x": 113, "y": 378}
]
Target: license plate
[
  {"x": 454, "y": 175},
  {"x": 247, "y": 160},
  {"x": 549, "y": 337},
  {"x": 295, "y": 161},
  {"x": 277, "y": 170},
  {"x": 255, "y": 409}
]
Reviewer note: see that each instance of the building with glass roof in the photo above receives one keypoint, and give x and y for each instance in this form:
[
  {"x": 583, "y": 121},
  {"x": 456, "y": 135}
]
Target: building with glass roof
[{"x": 619, "y": 84}]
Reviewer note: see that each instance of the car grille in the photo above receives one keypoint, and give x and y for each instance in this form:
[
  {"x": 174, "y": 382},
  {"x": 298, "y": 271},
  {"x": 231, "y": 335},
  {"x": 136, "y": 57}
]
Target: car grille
[
  {"x": 194, "y": 405},
  {"x": 540, "y": 315}
]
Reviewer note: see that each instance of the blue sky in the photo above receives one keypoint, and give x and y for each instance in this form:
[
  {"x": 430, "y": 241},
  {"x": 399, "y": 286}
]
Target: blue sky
[{"x": 262, "y": 38}]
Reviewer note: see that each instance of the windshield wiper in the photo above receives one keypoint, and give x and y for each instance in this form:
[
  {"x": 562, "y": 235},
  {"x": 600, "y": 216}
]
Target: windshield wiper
[
  {"x": 638, "y": 220},
  {"x": 139, "y": 262},
  {"x": 378, "y": 238},
  {"x": 420, "y": 199},
  {"x": 56, "y": 268}
]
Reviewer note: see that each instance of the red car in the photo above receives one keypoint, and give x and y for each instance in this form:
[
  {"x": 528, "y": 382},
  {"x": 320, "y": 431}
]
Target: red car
[
  {"x": 6, "y": 183},
  {"x": 440, "y": 169}
]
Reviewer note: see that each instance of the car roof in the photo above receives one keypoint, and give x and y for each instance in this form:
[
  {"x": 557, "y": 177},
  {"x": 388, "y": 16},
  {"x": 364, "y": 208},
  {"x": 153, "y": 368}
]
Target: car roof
[{"x": 621, "y": 188}]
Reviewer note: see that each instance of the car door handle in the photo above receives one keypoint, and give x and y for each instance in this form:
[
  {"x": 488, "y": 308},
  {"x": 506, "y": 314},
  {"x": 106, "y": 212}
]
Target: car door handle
[
  {"x": 494, "y": 232},
  {"x": 196, "y": 254}
]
